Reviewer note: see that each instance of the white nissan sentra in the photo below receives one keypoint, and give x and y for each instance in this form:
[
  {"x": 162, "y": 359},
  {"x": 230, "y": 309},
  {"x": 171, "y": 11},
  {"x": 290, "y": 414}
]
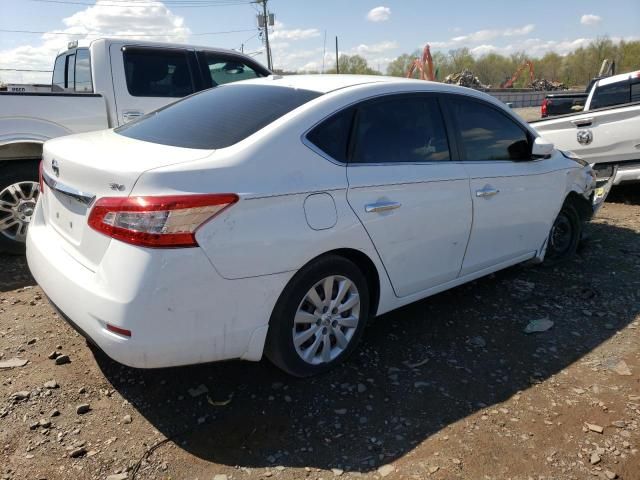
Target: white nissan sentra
[{"x": 279, "y": 215}]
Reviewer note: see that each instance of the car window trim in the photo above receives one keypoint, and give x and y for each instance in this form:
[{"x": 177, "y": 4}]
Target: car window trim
[
  {"x": 356, "y": 104},
  {"x": 185, "y": 51},
  {"x": 459, "y": 143}
]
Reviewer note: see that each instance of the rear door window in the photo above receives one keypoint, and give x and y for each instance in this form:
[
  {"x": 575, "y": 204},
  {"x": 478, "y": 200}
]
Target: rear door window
[
  {"x": 487, "y": 134},
  {"x": 218, "y": 117},
  {"x": 610, "y": 95},
  {"x": 152, "y": 72},
  {"x": 400, "y": 129}
]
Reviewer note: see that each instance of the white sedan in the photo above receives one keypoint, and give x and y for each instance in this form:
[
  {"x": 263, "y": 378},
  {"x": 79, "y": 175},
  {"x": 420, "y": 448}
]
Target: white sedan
[{"x": 279, "y": 215}]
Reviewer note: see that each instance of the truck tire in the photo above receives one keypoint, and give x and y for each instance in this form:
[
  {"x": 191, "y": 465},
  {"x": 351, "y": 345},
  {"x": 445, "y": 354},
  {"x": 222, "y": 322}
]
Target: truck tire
[{"x": 19, "y": 191}]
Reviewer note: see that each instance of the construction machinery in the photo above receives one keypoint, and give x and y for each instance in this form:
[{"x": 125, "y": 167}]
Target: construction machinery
[
  {"x": 527, "y": 64},
  {"x": 424, "y": 65}
]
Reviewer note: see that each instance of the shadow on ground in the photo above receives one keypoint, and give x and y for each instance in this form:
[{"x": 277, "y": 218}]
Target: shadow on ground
[
  {"x": 15, "y": 273},
  {"x": 469, "y": 343}
]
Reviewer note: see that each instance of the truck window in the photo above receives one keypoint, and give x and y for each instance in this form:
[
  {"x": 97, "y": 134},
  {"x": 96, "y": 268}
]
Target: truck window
[
  {"x": 71, "y": 72},
  {"x": 151, "y": 72},
  {"x": 83, "y": 71},
  {"x": 635, "y": 92},
  {"x": 226, "y": 69},
  {"x": 612, "y": 94},
  {"x": 58, "y": 80}
]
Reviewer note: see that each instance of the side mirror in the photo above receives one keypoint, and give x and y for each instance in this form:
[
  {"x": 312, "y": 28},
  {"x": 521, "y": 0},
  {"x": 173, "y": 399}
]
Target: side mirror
[{"x": 541, "y": 148}]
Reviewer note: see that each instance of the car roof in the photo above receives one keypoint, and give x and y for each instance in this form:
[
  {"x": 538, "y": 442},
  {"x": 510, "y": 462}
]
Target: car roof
[{"x": 325, "y": 83}]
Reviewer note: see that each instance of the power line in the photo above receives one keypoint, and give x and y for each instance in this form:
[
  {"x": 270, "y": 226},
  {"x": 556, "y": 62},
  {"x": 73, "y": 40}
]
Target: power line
[
  {"x": 126, "y": 35},
  {"x": 190, "y": 4}
]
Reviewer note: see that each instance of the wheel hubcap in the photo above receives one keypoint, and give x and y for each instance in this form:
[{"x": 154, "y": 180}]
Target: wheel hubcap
[
  {"x": 326, "y": 320},
  {"x": 17, "y": 203}
]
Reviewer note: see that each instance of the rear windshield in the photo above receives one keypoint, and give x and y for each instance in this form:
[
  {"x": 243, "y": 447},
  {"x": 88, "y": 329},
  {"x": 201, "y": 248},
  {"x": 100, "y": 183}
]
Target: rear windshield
[{"x": 217, "y": 118}]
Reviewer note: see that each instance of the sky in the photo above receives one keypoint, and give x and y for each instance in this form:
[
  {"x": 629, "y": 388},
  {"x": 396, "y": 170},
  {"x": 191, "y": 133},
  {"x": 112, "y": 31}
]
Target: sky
[{"x": 377, "y": 30}]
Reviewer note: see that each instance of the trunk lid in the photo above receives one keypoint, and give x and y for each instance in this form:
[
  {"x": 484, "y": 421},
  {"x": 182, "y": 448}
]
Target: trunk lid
[{"x": 80, "y": 169}]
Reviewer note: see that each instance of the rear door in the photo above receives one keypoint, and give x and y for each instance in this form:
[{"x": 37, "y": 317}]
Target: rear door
[
  {"x": 147, "y": 78},
  {"x": 411, "y": 198},
  {"x": 515, "y": 197}
]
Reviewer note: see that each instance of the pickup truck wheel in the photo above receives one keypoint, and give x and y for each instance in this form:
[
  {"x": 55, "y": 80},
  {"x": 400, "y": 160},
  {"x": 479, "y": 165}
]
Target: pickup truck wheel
[
  {"x": 19, "y": 191},
  {"x": 564, "y": 236}
]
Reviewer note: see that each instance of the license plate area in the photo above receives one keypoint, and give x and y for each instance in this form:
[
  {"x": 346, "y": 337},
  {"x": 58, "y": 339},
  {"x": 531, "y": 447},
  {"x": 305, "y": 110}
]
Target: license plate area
[{"x": 67, "y": 216}]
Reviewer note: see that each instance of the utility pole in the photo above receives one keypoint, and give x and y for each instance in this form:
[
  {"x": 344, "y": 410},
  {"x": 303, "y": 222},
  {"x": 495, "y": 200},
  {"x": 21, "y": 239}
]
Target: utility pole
[
  {"x": 337, "y": 63},
  {"x": 266, "y": 32}
]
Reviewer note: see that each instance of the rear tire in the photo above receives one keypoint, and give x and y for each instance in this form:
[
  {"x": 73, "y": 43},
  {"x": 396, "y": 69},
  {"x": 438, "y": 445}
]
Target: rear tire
[
  {"x": 18, "y": 195},
  {"x": 564, "y": 237},
  {"x": 319, "y": 318}
]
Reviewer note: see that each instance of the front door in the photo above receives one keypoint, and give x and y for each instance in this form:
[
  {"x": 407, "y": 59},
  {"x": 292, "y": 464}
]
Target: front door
[
  {"x": 515, "y": 197},
  {"x": 411, "y": 198}
]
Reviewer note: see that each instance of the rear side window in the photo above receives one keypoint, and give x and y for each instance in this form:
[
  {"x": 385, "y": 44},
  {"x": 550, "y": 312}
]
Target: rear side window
[
  {"x": 217, "y": 118},
  {"x": 83, "y": 71},
  {"x": 609, "y": 95},
  {"x": 59, "y": 77},
  {"x": 157, "y": 73},
  {"x": 332, "y": 135},
  {"x": 487, "y": 134},
  {"x": 399, "y": 130}
]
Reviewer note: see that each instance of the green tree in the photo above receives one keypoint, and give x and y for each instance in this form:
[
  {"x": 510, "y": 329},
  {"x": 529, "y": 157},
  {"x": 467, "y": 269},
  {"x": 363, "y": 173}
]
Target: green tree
[
  {"x": 400, "y": 66},
  {"x": 355, "y": 65}
]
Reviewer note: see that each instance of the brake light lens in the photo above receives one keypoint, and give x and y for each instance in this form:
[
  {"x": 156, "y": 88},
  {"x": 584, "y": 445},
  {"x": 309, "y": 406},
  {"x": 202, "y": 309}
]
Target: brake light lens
[
  {"x": 543, "y": 109},
  {"x": 157, "y": 222}
]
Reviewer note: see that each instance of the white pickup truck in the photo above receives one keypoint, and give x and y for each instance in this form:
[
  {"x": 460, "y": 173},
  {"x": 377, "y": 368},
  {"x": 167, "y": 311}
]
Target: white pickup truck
[
  {"x": 607, "y": 133},
  {"x": 105, "y": 85}
]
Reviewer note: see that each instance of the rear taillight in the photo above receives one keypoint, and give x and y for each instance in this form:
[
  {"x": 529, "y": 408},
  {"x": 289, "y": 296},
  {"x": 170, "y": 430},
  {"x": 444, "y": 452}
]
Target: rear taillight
[
  {"x": 543, "y": 109},
  {"x": 40, "y": 178},
  {"x": 157, "y": 222}
]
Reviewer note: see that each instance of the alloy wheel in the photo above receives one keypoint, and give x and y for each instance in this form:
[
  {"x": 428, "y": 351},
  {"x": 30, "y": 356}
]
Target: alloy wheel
[
  {"x": 326, "y": 320},
  {"x": 17, "y": 204}
]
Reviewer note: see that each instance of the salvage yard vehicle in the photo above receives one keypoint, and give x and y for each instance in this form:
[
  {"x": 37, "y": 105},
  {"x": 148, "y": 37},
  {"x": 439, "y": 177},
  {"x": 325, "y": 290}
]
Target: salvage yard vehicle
[
  {"x": 279, "y": 215},
  {"x": 105, "y": 85},
  {"x": 607, "y": 133}
]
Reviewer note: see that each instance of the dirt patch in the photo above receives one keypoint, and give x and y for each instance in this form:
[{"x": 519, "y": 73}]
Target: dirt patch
[{"x": 449, "y": 387}]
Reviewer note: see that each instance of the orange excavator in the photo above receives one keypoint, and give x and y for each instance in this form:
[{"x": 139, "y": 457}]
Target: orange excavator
[
  {"x": 424, "y": 65},
  {"x": 509, "y": 83}
]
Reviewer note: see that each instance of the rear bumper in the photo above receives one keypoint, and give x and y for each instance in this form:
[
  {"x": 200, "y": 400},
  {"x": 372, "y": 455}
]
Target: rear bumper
[
  {"x": 627, "y": 173},
  {"x": 179, "y": 310}
]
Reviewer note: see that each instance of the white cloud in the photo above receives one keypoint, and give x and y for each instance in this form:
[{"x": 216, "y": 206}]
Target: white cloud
[
  {"x": 90, "y": 23},
  {"x": 485, "y": 35},
  {"x": 364, "y": 49},
  {"x": 379, "y": 14},
  {"x": 511, "y": 32},
  {"x": 590, "y": 19},
  {"x": 281, "y": 33}
]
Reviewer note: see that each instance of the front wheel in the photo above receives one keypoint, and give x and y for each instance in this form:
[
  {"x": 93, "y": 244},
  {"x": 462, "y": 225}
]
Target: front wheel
[
  {"x": 564, "y": 236},
  {"x": 18, "y": 196},
  {"x": 319, "y": 317}
]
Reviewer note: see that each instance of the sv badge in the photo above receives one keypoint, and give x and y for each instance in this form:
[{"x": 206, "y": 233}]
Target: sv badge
[{"x": 585, "y": 137}]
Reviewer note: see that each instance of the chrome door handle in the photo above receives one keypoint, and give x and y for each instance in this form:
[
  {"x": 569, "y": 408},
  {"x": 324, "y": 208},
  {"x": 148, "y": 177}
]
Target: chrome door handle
[
  {"x": 583, "y": 122},
  {"x": 131, "y": 115},
  {"x": 381, "y": 207},
  {"x": 487, "y": 192}
]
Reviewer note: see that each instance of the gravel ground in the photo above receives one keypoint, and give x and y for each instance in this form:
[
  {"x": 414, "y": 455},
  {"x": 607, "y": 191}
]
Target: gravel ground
[{"x": 449, "y": 387}]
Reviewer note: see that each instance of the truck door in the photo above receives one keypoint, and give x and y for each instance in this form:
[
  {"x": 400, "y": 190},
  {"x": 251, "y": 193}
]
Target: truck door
[{"x": 147, "y": 78}]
